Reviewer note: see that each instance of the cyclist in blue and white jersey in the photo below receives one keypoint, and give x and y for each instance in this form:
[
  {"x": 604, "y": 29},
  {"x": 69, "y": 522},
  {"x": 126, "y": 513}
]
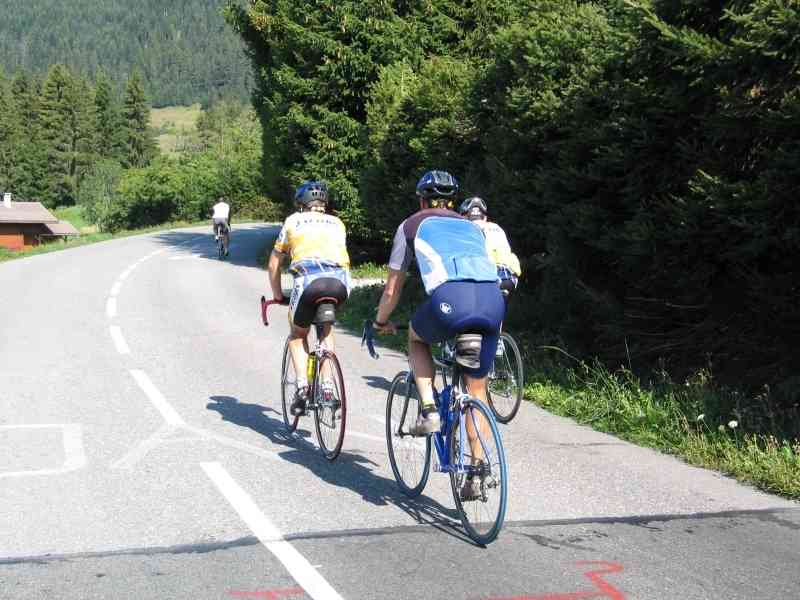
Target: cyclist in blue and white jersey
[{"x": 464, "y": 299}]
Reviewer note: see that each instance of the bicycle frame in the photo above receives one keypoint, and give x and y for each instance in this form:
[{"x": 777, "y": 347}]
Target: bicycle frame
[{"x": 448, "y": 413}]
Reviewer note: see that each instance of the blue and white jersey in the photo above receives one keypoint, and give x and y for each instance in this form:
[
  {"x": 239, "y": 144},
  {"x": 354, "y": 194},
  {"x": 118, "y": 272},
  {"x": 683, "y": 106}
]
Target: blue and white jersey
[{"x": 445, "y": 246}]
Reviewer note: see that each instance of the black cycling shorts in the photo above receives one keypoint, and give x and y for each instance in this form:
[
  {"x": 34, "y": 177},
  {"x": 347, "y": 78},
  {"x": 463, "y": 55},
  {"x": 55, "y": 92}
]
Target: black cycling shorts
[{"x": 324, "y": 287}]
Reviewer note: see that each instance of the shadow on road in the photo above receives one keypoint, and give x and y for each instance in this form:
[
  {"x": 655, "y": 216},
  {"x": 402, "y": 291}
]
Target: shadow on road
[
  {"x": 245, "y": 247},
  {"x": 377, "y": 381},
  {"x": 350, "y": 471}
]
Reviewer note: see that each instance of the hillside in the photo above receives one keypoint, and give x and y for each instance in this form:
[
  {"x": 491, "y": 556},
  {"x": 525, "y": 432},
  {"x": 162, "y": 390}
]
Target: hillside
[{"x": 184, "y": 49}]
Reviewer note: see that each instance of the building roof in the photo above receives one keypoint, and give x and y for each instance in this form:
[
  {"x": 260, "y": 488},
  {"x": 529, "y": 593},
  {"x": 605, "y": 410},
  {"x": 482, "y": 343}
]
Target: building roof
[
  {"x": 25, "y": 212},
  {"x": 61, "y": 228}
]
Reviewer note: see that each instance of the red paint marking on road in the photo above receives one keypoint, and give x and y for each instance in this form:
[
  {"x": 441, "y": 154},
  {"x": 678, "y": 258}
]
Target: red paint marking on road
[
  {"x": 603, "y": 589},
  {"x": 269, "y": 594}
]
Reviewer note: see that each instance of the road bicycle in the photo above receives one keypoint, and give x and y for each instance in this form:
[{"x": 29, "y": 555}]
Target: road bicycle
[
  {"x": 223, "y": 241},
  {"x": 505, "y": 384},
  {"x": 326, "y": 397},
  {"x": 481, "y": 458}
]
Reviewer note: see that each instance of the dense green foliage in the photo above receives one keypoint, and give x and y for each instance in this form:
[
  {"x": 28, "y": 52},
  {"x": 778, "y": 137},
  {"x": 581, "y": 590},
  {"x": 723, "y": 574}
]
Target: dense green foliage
[
  {"x": 183, "y": 48},
  {"x": 222, "y": 159},
  {"x": 55, "y": 132},
  {"x": 642, "y": 156}
]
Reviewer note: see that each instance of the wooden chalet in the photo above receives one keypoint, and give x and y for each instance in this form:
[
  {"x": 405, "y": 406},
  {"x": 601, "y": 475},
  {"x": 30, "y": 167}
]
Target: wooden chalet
[{"x": 27, "y": 224}]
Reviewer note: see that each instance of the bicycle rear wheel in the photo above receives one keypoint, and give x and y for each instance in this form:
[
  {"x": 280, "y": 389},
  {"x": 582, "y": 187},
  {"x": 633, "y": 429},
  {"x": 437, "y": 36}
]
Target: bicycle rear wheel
[
  {"x": 505, "y": 388},
  {"x": 485, "y": 461},
  {"x": 330, "y": 406},
  {"x": 410, "y": 456},
  {"x": 288, "y": 388}
]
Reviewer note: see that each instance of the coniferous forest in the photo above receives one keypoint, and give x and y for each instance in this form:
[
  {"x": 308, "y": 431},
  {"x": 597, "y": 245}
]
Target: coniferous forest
[{"x": 183, "y": 49}]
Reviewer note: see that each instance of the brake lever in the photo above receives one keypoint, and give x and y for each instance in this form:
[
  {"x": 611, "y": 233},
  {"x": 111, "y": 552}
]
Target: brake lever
[{"x": 368, "y": 338}]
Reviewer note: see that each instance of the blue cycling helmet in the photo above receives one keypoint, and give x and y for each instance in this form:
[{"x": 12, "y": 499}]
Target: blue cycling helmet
[
  {"x": 438, "y": 184},
  {"x": 311, "y": 192}
]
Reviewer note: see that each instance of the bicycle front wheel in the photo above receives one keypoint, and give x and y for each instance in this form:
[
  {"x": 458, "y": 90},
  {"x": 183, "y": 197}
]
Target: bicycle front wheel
[
  {"x": 505, "y": 388},
  {"x": 410, "y": 456},
  {"x": 330, "y": 406},
  {"x": 288, "y": 388},
  {"x": 478, "y": 476}
]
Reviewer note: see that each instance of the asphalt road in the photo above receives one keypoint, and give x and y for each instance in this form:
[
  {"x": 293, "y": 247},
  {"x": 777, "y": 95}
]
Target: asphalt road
[{"x": 142, "y": 456}]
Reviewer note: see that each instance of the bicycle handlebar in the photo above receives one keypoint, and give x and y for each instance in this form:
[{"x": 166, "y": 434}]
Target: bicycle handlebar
[
  {"x": 265, "y": 304},
  {"x": 368, "y": 337}
]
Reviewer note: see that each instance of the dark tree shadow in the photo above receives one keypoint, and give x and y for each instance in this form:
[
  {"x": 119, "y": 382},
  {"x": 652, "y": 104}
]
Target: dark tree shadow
[
  {"x": 349, "y": 471},
  {"x": 245, "y": 245}
]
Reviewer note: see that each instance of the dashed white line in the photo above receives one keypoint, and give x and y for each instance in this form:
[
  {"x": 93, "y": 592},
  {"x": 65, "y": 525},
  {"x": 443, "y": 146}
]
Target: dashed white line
[
  {"x": 119, "y": 341},
  {"x": 115, "y": 289},
  {"x": 111, "y": 308},
  {"x": 298, "y": 566},
  {"x": 155, "y": 397}
]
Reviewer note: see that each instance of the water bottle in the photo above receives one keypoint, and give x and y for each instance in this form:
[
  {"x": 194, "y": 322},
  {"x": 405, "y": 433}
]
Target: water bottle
[{"x": 311, "y": 366}]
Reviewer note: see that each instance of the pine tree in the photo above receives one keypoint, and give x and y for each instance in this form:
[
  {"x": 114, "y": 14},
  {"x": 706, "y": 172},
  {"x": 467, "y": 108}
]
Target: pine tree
[
  {"x": 31, "y": 154},
  {"x": 140, "y": 147},
  {"x": 9, "y": 135},
  {"x": 67, "y": 132},
  {"x": 82, "y": 131},
  {"x": 110, "y": 126}
]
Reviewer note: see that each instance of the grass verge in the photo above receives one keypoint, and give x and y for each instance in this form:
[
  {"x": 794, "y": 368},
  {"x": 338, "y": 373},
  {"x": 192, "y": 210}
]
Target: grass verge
[{"x": 685, "y": 419}]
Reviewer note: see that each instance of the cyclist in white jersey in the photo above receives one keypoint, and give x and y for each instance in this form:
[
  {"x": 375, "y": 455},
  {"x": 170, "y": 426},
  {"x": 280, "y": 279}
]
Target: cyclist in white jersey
[
  {"x": 508, "y": 267},
  {"x": 222, "y": 221}
]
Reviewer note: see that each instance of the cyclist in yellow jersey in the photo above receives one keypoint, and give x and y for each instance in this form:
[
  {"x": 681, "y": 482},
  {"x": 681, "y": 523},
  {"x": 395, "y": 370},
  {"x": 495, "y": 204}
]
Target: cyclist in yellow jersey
[
  {"x": 508, "y": 267},
  {"x": 315, "y": 243}
]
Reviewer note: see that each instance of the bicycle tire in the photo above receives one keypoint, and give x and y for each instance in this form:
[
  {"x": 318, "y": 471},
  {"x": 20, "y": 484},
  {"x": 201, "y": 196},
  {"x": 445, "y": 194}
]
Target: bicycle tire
[
  {"x": 329, "y": 412},
  {"x": 289, "y": 419},
  {"x": 402, "y": 447},
  {"x": 505, "y": 406},
  {"x": 481, "y": 531}
]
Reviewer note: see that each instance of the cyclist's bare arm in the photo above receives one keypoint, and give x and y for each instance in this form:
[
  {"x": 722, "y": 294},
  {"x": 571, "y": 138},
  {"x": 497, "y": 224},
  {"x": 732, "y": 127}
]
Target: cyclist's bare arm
[
  {"x": 274, "y": 268},
  {"x": 391, "y": 295}
]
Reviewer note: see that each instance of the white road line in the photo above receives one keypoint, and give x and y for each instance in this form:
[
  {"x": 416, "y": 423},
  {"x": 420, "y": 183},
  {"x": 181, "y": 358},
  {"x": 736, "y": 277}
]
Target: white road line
[
  {"x": 124, "y": 275},
  {"x": 380, "y": 420},
  {"x": 111, "y": 308},
  {"x": 115, "y": 289},
  {"x": 169, "y": 434},
  {"x": 152, "y": 393},
  {"x": 304, "y": 574},
  {"x": 74, "y": 456},
  {"x": 119, "y": 341}
]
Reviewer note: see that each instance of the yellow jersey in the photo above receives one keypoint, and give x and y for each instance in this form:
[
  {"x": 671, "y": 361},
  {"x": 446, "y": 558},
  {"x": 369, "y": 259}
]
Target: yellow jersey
[
  {"x": 313, "y": 236},
  {"x": 498, "y": 247}
]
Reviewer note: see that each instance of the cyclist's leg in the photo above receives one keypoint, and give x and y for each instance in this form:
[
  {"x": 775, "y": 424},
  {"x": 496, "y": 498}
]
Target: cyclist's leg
[
  {"x": 301, "y": 314},
  {"x": 421, "y": 361},
  {"x": 488, "y": 310}
]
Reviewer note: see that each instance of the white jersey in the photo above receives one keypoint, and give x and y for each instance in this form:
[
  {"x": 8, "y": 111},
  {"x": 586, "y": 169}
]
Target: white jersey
[{"x": 221, "y": 210}]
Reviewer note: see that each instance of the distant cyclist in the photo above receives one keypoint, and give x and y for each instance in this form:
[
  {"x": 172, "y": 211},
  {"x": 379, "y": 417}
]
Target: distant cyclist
[
  {"x": 315, "y": 243},
  {"x": 508, "y": 267},
  {"x": 222, "y": 222},
  {"x": 460, "y": 281}
]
